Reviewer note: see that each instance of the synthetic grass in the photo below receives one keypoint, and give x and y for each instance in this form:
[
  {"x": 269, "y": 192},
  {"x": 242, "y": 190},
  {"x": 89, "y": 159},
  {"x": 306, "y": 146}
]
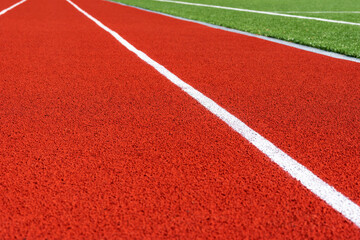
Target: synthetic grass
[{"x": 333, "y": 37}]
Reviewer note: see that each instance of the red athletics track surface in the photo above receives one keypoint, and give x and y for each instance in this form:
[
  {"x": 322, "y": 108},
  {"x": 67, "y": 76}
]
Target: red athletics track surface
[
  {"x": 94, "y": 143},
  {"x": 4, "y": 4},
  {"x": 306, "y": 104}
]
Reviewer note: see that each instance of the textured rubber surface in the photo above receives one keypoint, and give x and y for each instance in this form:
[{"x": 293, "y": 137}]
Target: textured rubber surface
[
  {"x": 7, "y": 3},
  {"x": 305, "y": 103},
  {"x": 95, "y": 144}
]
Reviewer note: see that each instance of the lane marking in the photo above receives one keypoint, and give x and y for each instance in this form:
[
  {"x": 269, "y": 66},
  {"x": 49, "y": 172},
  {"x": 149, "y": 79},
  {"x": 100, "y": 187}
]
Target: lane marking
[
  {"x": 270, "y": 39},
  {"x": 260, "y": 12},
  {"x": 320, "y": 188},
  {"x": 13, "y": 6}
]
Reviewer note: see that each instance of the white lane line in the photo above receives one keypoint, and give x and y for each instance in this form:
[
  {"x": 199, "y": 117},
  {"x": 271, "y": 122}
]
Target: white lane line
[
  {"x": 13, "y": 6},
  {"x": 260, "y": 12},
  {"x": 320, "y": 188}
]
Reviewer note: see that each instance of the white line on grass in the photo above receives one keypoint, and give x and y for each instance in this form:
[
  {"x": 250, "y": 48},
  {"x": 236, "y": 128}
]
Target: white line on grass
[
  {"x": 13, "y": 6},
  {"x": 323, "y": 190},
  {"x": 260, "y": 12},
  {"x": 340, "y": 12}
]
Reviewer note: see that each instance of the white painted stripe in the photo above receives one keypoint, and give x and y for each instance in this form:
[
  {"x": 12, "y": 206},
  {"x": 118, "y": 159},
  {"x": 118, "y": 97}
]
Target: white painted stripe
[
  {"x": 260, "y": 12},
  {"x": 347, "y": 12},
  {"x": 323, "y": 190},
  {"x": 270, "y": 39},
  {"x": 13, "y": 6}
]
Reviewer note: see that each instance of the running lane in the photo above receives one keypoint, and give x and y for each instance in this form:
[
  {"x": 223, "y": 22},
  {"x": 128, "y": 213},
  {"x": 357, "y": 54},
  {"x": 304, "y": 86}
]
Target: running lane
[
  {"x": 306, "y": 104},
  {"x": 4, "y": 4},
  {"x": 96, "y": 144}
]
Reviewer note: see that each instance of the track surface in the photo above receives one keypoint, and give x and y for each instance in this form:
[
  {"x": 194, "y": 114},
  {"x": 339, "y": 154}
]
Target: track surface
[
  {"x": 6, "y": 3},
  {"x": 94, "y": 143}
]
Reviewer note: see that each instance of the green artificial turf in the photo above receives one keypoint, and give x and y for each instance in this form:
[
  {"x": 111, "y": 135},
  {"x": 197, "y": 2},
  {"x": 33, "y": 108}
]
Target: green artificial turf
[{"x": 335, "y": 37}]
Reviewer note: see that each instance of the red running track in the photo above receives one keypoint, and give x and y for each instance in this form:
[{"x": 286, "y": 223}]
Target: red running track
[
  {"x": 96, "y": 144},
  {"x": 4, "y": 4},
  {"x": 306, "y": 104}
]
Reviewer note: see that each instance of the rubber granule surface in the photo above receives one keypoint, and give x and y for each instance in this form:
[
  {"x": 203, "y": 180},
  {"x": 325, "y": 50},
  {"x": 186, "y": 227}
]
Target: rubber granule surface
[{"x": 96, "y": 144}]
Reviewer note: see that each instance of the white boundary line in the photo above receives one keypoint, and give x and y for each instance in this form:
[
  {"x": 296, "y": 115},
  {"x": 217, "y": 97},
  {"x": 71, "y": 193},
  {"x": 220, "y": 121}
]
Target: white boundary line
[
  {"x": 323, "y": 190},
  {"x": 340, "y": 12},
  {"x": 270, "y": 39},
  {"x": 260, "y": 12},
  {"x": 13, "y": 6}
]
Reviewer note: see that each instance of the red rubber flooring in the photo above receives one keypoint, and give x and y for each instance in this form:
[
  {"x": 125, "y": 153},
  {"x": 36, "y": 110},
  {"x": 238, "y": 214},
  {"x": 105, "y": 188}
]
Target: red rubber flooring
[
  {"x": 4, "y": 4},
  {"x": 306, "y": 104},
  {"x": 94, "y": 143}
]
